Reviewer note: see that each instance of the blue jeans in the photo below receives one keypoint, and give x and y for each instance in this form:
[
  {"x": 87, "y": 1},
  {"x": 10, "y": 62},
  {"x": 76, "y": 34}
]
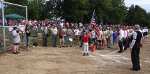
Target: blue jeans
[{"x": 26, "y": 40}]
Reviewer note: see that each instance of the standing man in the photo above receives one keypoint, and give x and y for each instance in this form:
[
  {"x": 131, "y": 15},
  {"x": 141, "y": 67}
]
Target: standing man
[
  {"x": 27, "y": 34},
  {"x": 45, "y": 36},
  {"x": 121, "y": 39},
  {"x": 54, "y": 32},
  {"x": 125, "y": 41},
  {"x": 77, "y": 35},
  {"x": 135, "y": 48}
]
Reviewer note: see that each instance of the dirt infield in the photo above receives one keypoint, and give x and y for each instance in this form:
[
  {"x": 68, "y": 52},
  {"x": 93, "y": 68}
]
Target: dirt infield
[{"x": 49, "y": 60}]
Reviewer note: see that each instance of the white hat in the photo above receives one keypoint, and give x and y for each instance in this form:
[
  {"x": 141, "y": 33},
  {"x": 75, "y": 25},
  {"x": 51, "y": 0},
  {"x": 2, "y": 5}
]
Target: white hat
[{"x": 137, "y": 27}]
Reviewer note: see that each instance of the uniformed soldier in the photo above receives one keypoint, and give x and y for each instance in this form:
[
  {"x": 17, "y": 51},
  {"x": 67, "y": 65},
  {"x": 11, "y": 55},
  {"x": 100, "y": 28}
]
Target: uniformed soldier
[{"x": 135, "y": 48}]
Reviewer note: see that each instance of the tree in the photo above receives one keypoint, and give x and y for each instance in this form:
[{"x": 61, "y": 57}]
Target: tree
[
  {"x": 36, "y": 9},
  {"x": 53, "y": 8},
  {"x": 118, "y": 12},
  {"x": 107, "y": 11},
  {"x": 137, "y": 15},
  {"x": 75, "y": 10},
  {"x": 148, "y": 19},
  {"x": 82, "y": 10},
  {"x": 130, "y": 15}
]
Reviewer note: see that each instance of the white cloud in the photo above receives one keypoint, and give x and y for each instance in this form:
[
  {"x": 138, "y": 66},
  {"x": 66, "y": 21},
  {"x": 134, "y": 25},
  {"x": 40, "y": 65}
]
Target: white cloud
[
  {"x": 143, "y": 3},
  {"x": 138, "y": 2}
]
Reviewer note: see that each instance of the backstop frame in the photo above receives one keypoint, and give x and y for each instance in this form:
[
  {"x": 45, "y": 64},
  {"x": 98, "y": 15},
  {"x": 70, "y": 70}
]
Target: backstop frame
[{"x": 3, "y": 18}]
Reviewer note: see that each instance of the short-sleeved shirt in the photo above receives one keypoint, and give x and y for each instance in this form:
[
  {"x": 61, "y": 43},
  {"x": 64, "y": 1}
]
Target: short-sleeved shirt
[{"x": 15, "y": 36}]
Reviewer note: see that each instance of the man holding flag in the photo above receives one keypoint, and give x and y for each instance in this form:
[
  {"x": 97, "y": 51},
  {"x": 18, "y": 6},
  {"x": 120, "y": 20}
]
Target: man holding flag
[{"x": 95, "y": 27}]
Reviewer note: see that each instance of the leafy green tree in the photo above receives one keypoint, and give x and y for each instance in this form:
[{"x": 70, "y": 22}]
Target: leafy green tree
[
  {"x": 53, "y": 8},
  {"x": 107, "y": 11},
  {"x": 137, "y": 15},
  {"x": 148, "y": 19},
  {"x": 118, "y": 12},
  {"x": 75, "y": 10}
]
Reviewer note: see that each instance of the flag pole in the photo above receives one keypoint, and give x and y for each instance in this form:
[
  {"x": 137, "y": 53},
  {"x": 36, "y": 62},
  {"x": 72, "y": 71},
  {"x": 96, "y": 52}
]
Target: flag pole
[{"x": 93, "y": 15}]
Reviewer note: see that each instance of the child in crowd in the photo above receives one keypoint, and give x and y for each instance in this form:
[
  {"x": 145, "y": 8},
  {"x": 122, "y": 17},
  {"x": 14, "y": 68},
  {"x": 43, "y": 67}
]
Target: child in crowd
[{"x": 85, "y": 40}]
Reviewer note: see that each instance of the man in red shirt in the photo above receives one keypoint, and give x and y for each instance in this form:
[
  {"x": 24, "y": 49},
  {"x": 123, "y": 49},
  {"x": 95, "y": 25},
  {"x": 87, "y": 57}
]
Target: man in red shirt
[{"x": 85, "y": 39}]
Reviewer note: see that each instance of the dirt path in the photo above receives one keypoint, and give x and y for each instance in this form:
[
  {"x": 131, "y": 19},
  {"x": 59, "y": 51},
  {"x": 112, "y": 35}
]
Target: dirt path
[{"x": 70, "y": 61}]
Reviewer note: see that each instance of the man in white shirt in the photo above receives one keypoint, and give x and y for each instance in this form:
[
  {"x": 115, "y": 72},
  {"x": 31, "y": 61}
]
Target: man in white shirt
[
  {"x": 54, "y": 32},
  {"x": 61, "y": 24},
  {"x": 76, "y": 31},
  {"x": 121, "y": 39},
  {"x": 145, "y": 32},
  {"x": 125, "y": 41},
  {"x": 77, "y": 35}
]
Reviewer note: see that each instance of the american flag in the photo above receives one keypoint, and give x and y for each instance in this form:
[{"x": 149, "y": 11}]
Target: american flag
[
  {"x": 94, "y": 25},
  {"x": 93, "y": 20}
]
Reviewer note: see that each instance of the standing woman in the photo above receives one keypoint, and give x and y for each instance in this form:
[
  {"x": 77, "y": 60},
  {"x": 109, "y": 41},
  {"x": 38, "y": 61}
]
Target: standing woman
[
  {"x": 110, "y": 44},
  {"x": 16, "y": 40},
  {"x": 64, "y": 36},
  {"x": 104, "y": 40},
  {"x": 27, "y": 34},
  {"x": 61, "y": 37}
]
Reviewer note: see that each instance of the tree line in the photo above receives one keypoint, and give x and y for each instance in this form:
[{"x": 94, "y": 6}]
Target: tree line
[{"x": 107, "y": 11}]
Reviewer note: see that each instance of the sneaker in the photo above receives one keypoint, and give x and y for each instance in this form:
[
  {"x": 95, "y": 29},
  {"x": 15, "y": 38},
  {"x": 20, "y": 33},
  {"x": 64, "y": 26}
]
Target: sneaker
[
  {"x": 135, "y": 69},
  {"x": 87, "y": 54},
  {"x": 16, "y": 52},
  {"x": 119, "y": 51}
]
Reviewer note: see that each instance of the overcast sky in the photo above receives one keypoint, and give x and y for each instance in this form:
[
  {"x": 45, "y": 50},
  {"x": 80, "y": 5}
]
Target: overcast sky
[{"x": 143, "y": 3}]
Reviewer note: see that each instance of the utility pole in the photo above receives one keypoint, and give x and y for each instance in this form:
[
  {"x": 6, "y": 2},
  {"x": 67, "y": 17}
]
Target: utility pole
[{"x": 3, "y": 19}]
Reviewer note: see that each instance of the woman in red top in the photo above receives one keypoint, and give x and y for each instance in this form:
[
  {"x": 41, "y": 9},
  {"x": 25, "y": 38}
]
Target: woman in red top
[{"x": 85, "y": 39}]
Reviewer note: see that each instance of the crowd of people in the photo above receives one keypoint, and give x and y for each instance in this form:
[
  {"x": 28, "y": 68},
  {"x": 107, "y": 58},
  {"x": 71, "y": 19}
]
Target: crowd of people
[
  {"x": 64, "y": 34},
  {"x": 90, "y": 37}
]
